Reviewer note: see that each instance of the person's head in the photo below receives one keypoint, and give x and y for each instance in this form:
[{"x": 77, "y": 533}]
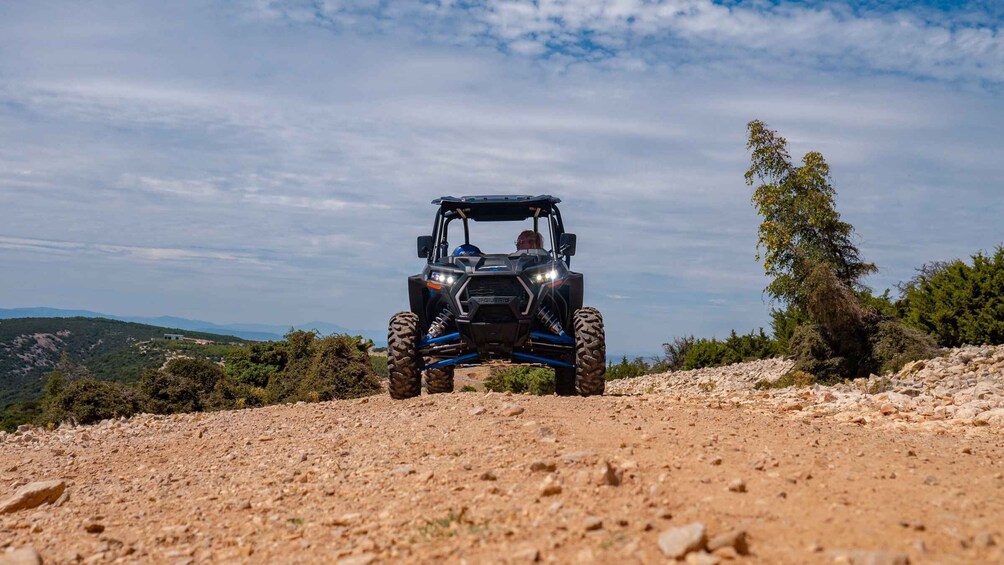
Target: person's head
[{"x": 529, "y": 239}]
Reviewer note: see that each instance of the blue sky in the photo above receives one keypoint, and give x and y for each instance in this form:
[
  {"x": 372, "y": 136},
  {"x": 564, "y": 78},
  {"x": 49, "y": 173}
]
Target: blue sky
[{"x": 273, "y": 161}]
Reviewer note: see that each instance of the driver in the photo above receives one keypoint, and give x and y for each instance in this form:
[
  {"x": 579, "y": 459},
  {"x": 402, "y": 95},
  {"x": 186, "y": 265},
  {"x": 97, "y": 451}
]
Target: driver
[{"x": 529, "y": 239}]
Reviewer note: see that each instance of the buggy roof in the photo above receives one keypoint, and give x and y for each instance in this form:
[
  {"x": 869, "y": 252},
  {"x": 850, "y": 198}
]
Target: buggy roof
[{"x": 497, "y": 208}]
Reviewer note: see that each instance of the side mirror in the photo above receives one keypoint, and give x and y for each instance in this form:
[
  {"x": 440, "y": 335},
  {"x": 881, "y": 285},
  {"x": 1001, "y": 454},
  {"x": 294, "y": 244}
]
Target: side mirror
[
  {"x": 425, "y": 246},
  {"x": 566, "y": 244}
]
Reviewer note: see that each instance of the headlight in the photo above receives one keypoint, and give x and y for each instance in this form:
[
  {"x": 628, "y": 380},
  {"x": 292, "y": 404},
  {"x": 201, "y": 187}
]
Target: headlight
[
  {"x": 544, "y": 276},
  {"x": 442, "y": 278}
]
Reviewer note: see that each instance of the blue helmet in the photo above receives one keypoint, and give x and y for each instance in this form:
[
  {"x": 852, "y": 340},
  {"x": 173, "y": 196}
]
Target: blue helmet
[{"x": 467, "y": 250}]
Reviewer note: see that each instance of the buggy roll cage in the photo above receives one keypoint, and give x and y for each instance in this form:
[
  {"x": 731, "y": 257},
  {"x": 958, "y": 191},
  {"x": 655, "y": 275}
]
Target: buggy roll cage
[{"x": 507, "y": 208}]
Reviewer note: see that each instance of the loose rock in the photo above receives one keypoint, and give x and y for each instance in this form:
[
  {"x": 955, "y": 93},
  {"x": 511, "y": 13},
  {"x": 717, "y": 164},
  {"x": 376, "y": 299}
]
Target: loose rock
[
  {"x": 33, "y": 495},
  {"x": 675, "y": 543}
]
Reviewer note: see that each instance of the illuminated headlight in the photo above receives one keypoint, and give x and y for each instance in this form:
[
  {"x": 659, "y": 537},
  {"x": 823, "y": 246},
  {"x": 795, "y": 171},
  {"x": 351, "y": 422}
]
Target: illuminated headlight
[
  {"x": 442, "y": 278},
  {"x": 545, "y": 276}
]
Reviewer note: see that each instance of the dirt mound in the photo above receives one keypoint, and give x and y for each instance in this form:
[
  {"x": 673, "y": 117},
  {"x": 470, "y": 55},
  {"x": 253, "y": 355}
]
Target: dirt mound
[{"x": 706, "y": 473}]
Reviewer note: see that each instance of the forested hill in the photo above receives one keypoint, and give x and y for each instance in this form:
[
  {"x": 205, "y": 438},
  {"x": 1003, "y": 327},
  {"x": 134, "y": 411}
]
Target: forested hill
[{"x": 108, "y": 349}]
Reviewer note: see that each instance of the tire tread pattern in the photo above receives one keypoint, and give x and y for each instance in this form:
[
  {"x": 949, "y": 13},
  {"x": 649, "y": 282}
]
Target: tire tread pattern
[
  {"x": 439, "y": 381},
  {"x": 404, "y": 379},
  {"x": 590, "y": 352}
]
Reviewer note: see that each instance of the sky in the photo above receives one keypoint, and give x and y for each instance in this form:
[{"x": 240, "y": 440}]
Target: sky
[{"x": 272, "y": 161}]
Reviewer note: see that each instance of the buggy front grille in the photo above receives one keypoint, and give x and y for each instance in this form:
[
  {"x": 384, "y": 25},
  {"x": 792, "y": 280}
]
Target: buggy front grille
[{"x": 495, "y": 286}]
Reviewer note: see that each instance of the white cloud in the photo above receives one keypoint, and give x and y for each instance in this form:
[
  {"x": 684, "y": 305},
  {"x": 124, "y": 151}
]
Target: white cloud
[
  {"x": 278, "y": 171},
  {"x": 959, "y": 46}
]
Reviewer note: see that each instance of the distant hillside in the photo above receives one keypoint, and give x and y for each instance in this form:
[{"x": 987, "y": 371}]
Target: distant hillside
[
  {"x": 253, "y": 332},
  {"x": 109, "y": 349}
]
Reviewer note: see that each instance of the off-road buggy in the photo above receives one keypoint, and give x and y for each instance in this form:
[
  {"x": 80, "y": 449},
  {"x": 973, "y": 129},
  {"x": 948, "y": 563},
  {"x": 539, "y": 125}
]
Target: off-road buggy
[{"x": 470, "y": 308}]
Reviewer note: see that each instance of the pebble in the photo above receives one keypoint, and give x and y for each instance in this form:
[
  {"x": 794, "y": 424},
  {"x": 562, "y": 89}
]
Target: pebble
[
  {"x": 592, "y": 523},
  {"x": 675, "y": 543},
  {"x": 542, "y": 466},
  {"x": 608, "y": 475},
  {"x": 510, "y": 409},
  {"x": 550, "y": 486},
  {"x": 22, "y": 556},
  {"x": 736, "y": 539},
  {"x": 737, "y": 485},
  {"x": 871, "y": 558}
]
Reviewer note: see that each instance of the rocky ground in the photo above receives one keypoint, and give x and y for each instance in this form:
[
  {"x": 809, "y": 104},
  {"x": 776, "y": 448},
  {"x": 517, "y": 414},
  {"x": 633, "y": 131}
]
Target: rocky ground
[{"x": 695, "y": 466}]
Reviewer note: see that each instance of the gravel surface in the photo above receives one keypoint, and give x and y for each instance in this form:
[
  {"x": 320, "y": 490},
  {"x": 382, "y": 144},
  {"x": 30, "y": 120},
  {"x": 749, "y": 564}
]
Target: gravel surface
[
  {"x": 896, "y": 470},
  {"x": 964, "y": 387}
]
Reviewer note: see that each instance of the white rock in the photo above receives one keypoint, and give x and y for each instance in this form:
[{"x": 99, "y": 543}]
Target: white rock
[{"x": 675, "y": 543}]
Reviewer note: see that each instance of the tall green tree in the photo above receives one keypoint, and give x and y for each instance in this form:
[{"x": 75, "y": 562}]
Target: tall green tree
[
  {"x": 831, "y": 324},
  {"x": 801, "y": 229}
]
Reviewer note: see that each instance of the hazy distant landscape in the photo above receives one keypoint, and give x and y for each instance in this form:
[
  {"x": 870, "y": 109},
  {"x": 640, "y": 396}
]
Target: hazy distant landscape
[{"x": 256, "y": 332}]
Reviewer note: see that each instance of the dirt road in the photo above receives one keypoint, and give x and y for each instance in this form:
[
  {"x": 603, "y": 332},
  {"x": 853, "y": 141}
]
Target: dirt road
[{"x": 468, "y": 478}]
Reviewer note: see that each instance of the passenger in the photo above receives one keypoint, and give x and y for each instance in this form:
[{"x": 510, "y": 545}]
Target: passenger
[{"x": 529, "y": 239}]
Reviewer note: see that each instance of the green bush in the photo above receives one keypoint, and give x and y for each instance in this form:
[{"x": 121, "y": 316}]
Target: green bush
[
  {"x": 379, "y": 363},
  {"x": 895, "y": 344},
  {"x": 676, "y": 352},
  {"x": 634, "y": 368},
  {"x": 956, "y": 302},
  {"x": 167, "y": 393},
  {"x": 734, "y": 349},
  {"x": 86, "y": 401},
  {"x": 519, "y": 379}
]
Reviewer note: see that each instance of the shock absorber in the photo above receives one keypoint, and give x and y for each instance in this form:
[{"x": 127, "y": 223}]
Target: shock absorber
[
  {"x": 549, "y": 320},
  {"x": 438, "y": 326}
]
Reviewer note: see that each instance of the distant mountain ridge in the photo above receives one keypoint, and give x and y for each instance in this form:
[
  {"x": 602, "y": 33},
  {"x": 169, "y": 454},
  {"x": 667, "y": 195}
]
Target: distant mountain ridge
[{"x": 253, "y": 332}]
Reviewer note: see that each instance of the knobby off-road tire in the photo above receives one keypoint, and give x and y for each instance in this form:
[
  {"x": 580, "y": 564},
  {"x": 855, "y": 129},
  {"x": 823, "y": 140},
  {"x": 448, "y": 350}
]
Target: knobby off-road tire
[
  {"x": 404, "y": 376},
  {"x": 438, "y": 381},
  {"x": 590, "y": 352}
]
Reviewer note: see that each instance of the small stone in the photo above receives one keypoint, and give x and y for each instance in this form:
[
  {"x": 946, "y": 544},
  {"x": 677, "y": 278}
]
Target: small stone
[
  {"x": 404, "y": 470},
  {"x": 510, "y": 409},
  {"x": 477, "y": 411},
  {"x": 735, "y": 539},
  {"x": 737, "y": 485},
  {"x": 609, "y": 475},
  {"x": 702, "y": 558},
  {"x": 93, "y": 527},
  {"x": 984, "y": 540},
  {"x": 675, "y": 543},
  {"x": 33, "y": 495},
  {"x": 542, "y": 466},
  {"x": 22, "y": 556},
  {"x": 967, "y": 450},
  {"x": 592, "y": 523},
  {"x": 550, "y": 487},
  {"x": 361, "y": 559},
  {"x": 716, "y": 461},
  {"x": 526, "y": 555},
  {"x": 488, "y": 476},
  {"x": 872, "y": 558}
]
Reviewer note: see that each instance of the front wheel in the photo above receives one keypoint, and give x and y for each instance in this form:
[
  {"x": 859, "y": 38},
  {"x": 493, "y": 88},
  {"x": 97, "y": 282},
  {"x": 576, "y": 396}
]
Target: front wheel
[
  {"x": 403, "y": 374},
  {"x": 439, "y": 381},
  {"x": 590, "y": 352}
]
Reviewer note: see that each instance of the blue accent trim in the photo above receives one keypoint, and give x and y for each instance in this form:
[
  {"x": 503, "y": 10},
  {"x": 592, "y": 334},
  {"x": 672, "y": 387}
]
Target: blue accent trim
[
  {"x": 455, "y": 361},
  {"x": 562, "y": 339},
  {"x": 440, "y": 339},
  {"x": 535, "y": 359}
]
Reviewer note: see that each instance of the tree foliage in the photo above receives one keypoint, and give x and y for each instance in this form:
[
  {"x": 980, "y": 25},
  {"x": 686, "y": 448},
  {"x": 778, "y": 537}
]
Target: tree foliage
[
  {"x": 800, "y": 227},
  {"x": 956, "y": 302},
  {"x": 830, "y": 322}
]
